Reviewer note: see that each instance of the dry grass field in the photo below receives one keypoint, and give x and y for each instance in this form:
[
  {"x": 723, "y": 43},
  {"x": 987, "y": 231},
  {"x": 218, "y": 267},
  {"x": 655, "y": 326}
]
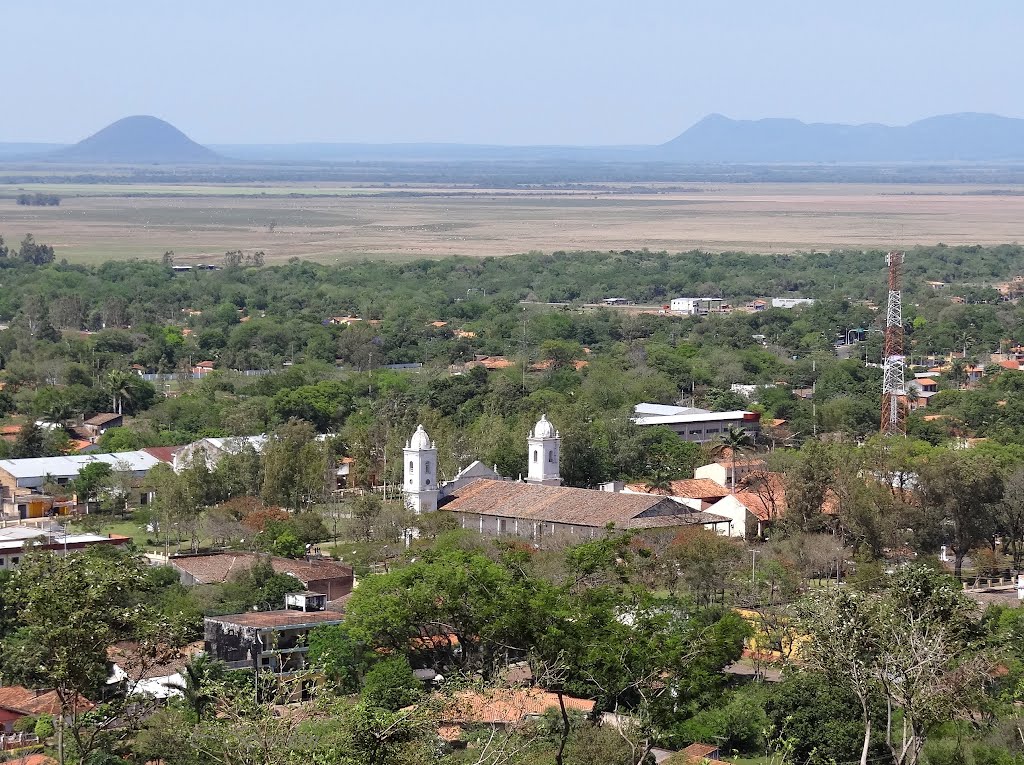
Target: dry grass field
[{"x": 337, "y": 223}]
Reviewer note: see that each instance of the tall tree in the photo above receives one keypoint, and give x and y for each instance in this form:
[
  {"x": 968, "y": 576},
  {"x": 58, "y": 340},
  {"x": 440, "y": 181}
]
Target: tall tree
[
  {"x": 295, "y": 466},
  {"x": 961, "y": 492}
]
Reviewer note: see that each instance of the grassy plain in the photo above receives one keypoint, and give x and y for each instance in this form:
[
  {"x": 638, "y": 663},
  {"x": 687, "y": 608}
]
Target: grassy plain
[{"x": 339, "y": 222}]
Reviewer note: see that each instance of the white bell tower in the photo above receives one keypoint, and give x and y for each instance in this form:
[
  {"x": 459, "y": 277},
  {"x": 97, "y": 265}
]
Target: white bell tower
[
  {"x": 543, "y": 446},
  {"x": 419, "y": 481}
]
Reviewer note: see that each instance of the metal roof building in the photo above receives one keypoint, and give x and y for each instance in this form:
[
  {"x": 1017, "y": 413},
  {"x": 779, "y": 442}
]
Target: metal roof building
[{"x": 33, "y": 472}]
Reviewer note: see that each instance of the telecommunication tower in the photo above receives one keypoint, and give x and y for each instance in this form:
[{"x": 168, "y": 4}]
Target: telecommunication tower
[{"x": 894, "y": 365}]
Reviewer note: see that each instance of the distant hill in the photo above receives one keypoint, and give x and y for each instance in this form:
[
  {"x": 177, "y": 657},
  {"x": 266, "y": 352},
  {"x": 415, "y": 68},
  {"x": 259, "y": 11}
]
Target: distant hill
[
  {"x": 137, "y": 140},
  {"x": 950, "y": 137}
]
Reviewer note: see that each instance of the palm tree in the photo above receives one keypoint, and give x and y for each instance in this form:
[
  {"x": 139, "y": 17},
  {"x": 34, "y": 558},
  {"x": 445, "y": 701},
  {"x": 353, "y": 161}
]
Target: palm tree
[
  {"x": 736, "y": 440},
  {"x": 58, "y": 413},
  {"x": 121, "y": 388},
  {"x": 202, "y": 676}
]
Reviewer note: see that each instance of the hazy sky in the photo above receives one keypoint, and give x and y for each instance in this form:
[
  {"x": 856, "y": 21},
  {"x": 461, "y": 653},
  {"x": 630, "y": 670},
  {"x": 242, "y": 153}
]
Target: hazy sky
[{"x": 496, "y": 71}]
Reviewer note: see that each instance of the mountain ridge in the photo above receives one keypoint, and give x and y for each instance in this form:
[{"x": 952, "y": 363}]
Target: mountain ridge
[{"x": 963, "y": 136}]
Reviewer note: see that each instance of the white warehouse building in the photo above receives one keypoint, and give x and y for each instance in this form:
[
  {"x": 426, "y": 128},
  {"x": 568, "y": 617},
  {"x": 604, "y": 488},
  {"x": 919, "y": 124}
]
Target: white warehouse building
[
  {"x": 695, "y": 306},
  {"x": 694, "y": 424}
]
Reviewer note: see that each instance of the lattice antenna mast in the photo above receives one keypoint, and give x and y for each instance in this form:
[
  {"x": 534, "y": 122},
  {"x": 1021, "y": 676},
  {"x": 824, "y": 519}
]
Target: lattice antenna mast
[{"x": 894, "y": 365}]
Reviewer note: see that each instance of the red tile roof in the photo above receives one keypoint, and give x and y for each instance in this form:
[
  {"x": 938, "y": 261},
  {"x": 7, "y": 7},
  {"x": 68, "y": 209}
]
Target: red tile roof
[
  {"x": 219, "y": 567},
  {"x": 507, "y": 706},
  {"x": 691, "y": 488},
  {"x": 163, "y": 453},
  {"x": 560, "y": 504},
  {"x": 28, "y": 702}
]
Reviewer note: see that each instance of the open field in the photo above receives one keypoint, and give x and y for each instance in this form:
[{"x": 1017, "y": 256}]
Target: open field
[{"x": 334, "y": 222}]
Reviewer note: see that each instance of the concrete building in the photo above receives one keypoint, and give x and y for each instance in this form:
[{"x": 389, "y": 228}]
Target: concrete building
[
  {"x": 788, "y": 303},
  {"x": 16, "y": 541},
  {"x": 695, "y": 306},
  {"x": 693, "y": 424},
  {"x": 273, "y": 641},
  {"x": 721, "y": 470},
  {"x": 22, "y": 479},
  {"x": 212, "y": 449}
]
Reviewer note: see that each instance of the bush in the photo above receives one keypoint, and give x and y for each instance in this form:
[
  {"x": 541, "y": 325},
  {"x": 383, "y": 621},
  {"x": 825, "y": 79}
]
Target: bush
[
  {"x": 390, "y": 684},
  {"x": 26, "y": 724},
  {"x": 44, "y": 728},
  {"x": 737, "y": 725}
]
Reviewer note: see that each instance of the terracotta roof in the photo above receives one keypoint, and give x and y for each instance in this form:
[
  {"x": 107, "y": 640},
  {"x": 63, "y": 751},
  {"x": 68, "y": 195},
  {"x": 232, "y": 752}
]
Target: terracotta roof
[
  {"x": 759, "y": 506},
  {"x": 560, "y": 504},
  {"x": 437, "y": 324},
  {"x": 1013, "y": 366},
  {"x": 163, "y": 453},
  {"x": 690, "y": 488},
  {"x": 281, "y": 618},
  {"x": 699, "y": 750},
  {"x": 103, "y": 418},
  {"x": 507, "y": 706},
  {"x": 140, "y": 664},
  {"x": 693, "y": 755},
  {"x": 28, "y": 702},
  {"x": 78, "y": 444},
  {"x": 219, "y": 567},
  {"x": 490, "y": 362}
]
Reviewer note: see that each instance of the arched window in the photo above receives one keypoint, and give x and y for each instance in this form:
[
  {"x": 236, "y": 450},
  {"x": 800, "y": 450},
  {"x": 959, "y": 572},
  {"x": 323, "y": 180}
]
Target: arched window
[
  {"x": 534, "y": 455},
  {"x": 412, "y": 466},
  {"x": 426, "y": 467},
  {"x": 551, "y": 456}
]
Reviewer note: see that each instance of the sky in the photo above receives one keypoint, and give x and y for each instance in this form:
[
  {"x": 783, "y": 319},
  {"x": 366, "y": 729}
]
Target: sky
[{"x": 584, "y": 72}]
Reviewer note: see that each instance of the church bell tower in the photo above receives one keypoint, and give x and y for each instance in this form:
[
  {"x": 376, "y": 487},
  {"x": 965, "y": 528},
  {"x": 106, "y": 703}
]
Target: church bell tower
[
  {"x": 543, "y": 446},
  {"x": 419, "y": 480}
]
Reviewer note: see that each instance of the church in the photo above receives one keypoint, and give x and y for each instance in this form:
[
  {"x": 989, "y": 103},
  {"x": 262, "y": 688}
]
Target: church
[{"x": 536, "y": 507}]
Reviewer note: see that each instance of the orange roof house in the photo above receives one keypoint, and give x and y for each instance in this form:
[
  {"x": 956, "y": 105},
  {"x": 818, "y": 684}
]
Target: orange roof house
[
  {"x": 490, "y": 363},
  {"x": 703, "y": 489},
  {"x": 507, "y": 706}
]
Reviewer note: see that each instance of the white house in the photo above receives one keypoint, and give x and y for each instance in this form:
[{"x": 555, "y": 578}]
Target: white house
[
  {"x": 212, "y": 449},
  {"x": 695, "y": 306}
]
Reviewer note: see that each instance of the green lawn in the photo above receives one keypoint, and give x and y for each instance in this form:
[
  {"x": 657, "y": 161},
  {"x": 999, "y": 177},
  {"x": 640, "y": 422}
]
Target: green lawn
[{"x": 137, "y": 531}]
